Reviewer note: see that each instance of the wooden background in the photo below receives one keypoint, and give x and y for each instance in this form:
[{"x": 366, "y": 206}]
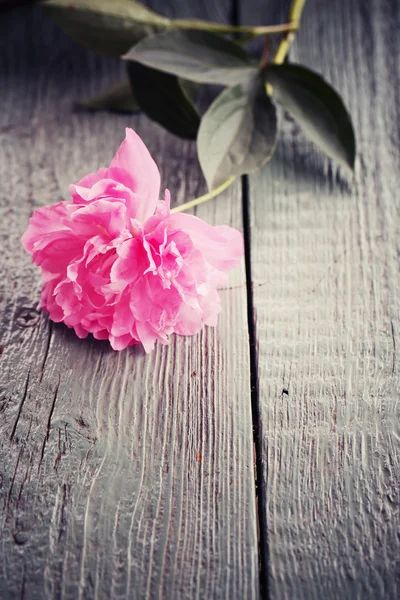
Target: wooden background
[{"x": 132, "y": 476}]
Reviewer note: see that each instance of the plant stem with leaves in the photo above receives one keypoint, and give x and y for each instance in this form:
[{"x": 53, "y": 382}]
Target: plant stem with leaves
[
  {"x": 295, "y": 13},
  {"x": 167, "y": 59},
  {"x": 252, "y": 32}
]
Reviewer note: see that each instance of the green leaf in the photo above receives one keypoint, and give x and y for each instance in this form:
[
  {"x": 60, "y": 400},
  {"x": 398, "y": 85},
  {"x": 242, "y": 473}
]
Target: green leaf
[
  {"x": 162, "y": 98},
  {"x": 108, "y": 27},
  {"x": 318, "y": 109},
  {"x": 191, "y": 88},
  {"x": 237, "y": 134},
  {"x": 119, "y": 98},
  {"x": 195, "y": 55}
]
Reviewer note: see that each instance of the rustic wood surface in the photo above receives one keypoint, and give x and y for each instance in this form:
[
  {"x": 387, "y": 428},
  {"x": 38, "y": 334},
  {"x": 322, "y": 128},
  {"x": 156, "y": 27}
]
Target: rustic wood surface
[
  {"x": 121, "y": 475},
  {"x": 326, "y": 290},
  {"x": 131, "y": 476}
]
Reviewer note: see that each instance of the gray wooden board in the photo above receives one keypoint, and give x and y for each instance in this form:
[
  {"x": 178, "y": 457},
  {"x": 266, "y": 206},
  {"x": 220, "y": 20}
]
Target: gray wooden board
[
  {"x": 121, "y": 475},
  {"x": 326, "y": 284}
]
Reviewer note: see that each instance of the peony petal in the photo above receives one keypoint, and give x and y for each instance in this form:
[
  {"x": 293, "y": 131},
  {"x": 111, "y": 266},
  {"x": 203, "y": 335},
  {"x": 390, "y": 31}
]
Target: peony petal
[
  {"x": 121, "y": 342},
  {"x": 102, "y": 334},
  {"x": 117, "y": 186},
  {"x": 190, "y": 321},
  {"x": 49, "y": 219},
  {"x": 146, "y": 336},
  {"x": 81, "y": 332},
  {"x": 87, "y": 182},
  {"x": 132, "y": 174},
  {"x": 221, "y": 246},
  {"x": 233, "y": 239},
  {"x": 51, "y": 241},
  {"x": 100, "y": 217},
  {"x": 127, "y": 267},
  {"x": 134, "y": 157}
]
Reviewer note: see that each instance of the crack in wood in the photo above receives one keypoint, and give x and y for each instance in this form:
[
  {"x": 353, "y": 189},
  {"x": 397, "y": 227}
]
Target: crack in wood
[
  {"x": 394, "y": 347},
  {"x": 46, "y": 439},
  {"x": 260, "y": 475},
  {"x": 23, "y": 584},
  {"x": 20, "y": 407},
  {"x": 10, "y": 490},
  {"x": 47, "y": 349}
]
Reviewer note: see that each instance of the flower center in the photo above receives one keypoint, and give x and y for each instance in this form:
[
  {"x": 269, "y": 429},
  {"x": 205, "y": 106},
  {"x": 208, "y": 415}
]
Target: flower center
[{"x": 170, "y": 264}]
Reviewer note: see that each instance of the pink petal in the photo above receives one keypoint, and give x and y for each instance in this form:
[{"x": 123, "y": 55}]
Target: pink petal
[
  {"x": 99, "y": 217},
  {"x": 80, "y": 331},
  {"x": 116, "y": 186},
  {"x": 101, "y": 335},
  {"x": 233, "y": 238},
  {"x": 88, "y": 182},
  {"x": 190, "y": 321},
  {"x": 133, "y": 175},
  {"x": 121, "y": 342},
  {"x": 146, "y": 336},
  {"x": 126, "y": 268},
  {"x": 50, "y": 240},
  {"x": 48, "y": 219},
  {"x": 134, "y": 157},
  {"x": 221, "y": 246}
]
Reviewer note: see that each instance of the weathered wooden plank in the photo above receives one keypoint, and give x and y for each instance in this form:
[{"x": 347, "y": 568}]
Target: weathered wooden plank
[
  {"x": 122, "y": 475},
  {"x": 326, "y": 284}
]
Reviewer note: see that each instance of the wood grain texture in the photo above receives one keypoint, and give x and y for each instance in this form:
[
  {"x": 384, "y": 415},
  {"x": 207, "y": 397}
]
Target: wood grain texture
[
  {"x": 121, "y": 475},
  {"x": 326, "y": 285}
]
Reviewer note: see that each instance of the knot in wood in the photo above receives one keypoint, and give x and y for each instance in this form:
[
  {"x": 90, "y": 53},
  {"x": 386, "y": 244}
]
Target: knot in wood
[
  {"x": 27, "y": 317},
  {"x": 20, "y": 537}
]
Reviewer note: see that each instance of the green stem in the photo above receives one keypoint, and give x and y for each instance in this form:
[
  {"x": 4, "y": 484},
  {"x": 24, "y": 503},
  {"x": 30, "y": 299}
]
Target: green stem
[
  {"x": 295, "y": 13},
  {"x": 204, "y": 198},
  {"x": 222, "y": 28},
  {"x": 294, "y": 18}
]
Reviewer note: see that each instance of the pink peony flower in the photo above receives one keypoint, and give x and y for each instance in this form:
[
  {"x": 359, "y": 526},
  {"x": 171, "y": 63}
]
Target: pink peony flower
[{"x": 116, "y": 263}]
